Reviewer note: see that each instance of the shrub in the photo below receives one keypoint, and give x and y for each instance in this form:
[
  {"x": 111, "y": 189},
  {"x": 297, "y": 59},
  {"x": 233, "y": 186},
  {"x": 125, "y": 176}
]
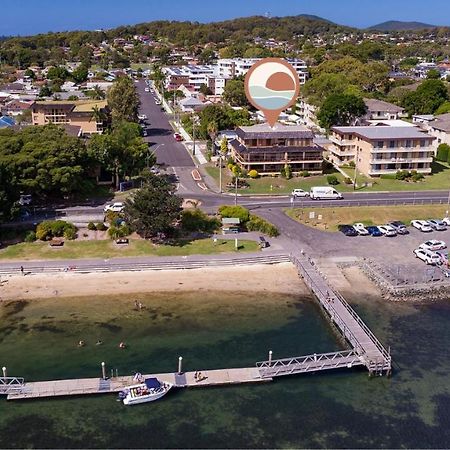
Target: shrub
[
  {"x": 91, "y": 226},
  {"x": 253, "y": 174},
  {"x": 332, "y": 179},
  {"x": 348, "y": 180},
  {"x": 443, "y": 152},
  {"x": 196, "y": 220},
  {"x": 287, "y": 172},
  {"x": 351, "y": 164},
  {"x": 417, "y": 177},
  {"x": 70, "y": 234},
  {"x": 402, "y": 175},
  {"x": 388, "y": 176},
  {"x": 305, "y": 174},
  {"x": 230, "y": 166},
  {"x": 50, "y": 229},
  {"x": 235, "y": 211},
  {"x": 257, "y": 223},
  {"x": 101, "y": 226},
  {"x": 30, "y": 236},
  {"x": 117, "y": 232}
]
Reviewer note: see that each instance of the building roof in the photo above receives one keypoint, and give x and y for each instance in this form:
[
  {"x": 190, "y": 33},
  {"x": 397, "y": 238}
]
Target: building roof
[
  {"x": 373, "y": 133},
  {"x": 74, "y": 105},
  {"x": 6, "y": 122},
  {"x": 72, "y": 130},
  {"x": 231, "y": 221},
  {"x": 374, "y": 105},
  {"x": 441, "y": 125},
  {"x": 390, "y": 123},
  {"x": 265, "y": 131}
]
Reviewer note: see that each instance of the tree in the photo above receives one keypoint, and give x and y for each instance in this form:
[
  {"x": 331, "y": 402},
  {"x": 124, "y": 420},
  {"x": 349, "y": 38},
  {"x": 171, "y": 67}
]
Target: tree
[
  {"x": 45, "y": 91},
  {"x": 124, "y": 100},
  {"x": 341, "y": 109},
  {"x": 30, "y": 74},
  {"x": 234, "y": 93},
  {"x": 443, "y": 152},
  {"x": 433, "y": 74},
  {"x": 154, "y": 208},
  {"x": 122, "y": 150},
  {"x": 205, "y": 90},
  {"x": 58, "y": 73},
  {"x": 80, "y": 74},
  {"x": 224, "y": 146},
  {"x": 428, "y": 97}
]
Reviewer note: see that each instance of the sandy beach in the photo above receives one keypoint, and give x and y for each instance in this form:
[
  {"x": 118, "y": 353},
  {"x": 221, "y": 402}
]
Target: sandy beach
[{"x": 280, "y": 278}]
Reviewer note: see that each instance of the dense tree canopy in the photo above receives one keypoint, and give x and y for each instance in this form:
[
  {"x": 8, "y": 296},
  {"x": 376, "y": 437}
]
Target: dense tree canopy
[
  {"x": 427, "y": 98},
  {"x": 154, "y": 208},
  {"x": 123, "y": 100},
  {"x": 341, "y": 109},
  {"x": 234, "y": 93}
]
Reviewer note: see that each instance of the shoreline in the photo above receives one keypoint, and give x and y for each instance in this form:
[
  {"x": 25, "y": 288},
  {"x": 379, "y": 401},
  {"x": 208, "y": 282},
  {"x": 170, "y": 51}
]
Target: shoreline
[{"x": 281, "y": 278}]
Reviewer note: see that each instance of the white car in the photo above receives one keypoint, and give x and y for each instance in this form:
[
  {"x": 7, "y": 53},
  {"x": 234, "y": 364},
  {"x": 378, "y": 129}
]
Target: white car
[
  {"x": 142, "y": 117},
  {"x": 115, "y": 207},
  {"x": 422, "y": 225},
  {"x": 446, "y": 220},
  {"x": 25, "y": 200},
  {"x": 361, "y": 229},
  {"x": 433, "y": 245},
  {"x": 299, "y": 193},
  {"x": 438, "y": 225},
  {"x": 157, "y": 102},
  {"x": 387, "y": 230},
  {"x": 147, "y": 89},
  {"x": 427, "y": 256}
]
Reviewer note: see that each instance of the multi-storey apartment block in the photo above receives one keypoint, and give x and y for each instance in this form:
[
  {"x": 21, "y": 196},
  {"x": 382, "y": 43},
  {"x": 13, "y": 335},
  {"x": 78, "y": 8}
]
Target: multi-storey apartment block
[
  {"x": 382, "y": 150},
  {"x": 267, "y": 150}
]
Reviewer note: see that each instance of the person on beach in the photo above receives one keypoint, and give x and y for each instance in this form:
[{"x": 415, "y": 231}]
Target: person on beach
[{"x": 22, "y": 270}]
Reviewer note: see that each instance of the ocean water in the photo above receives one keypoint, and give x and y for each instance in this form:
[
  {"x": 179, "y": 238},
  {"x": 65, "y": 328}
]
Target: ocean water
[{"x": 211, "y": 330}]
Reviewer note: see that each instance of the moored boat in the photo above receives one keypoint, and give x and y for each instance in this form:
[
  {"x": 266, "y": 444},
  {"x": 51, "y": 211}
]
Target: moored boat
[{"x": 150, "y": 390}]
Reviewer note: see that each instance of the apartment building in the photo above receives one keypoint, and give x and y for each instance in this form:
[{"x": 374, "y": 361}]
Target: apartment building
[
  {"x": 234, "y": 67},
  {"x": 267, "y": 150},
  {"x": 440, "y": 129},
  {"x": 382, "y": 150},
  {"x": 82, "y": 113},
  {"x": 190, "y": 75}
]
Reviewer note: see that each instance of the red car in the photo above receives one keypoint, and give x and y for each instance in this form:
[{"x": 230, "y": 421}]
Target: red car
[{"x": 178, "y": 137}]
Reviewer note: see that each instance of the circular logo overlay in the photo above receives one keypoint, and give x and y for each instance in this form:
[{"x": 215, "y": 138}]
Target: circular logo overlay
[{"x": 272, "y": 85}]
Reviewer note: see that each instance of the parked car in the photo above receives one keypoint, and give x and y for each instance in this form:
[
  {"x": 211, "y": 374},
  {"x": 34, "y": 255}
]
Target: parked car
[
  {"x": 436, "y": 224},
  {"x": 446, "y": 220},
  {"x": 299, "y": 193},
  {"x": 421, "y": 225},
  {"x": 178, "y": 137},
  {"x": 144, "y": 132},
  {"x": 443, "y": 254},
  {"x": 361, "y": 229},
  {"x": 399, "y": 227},
  {"x": 433, "y": 245},
  {"x": 158, "y": 102},
  {"x": 142, "y": 117},
  {"x": 263, "y": 243},
  {"x": 147, "y": 89},
  {"x": 25, "y": 200},
  {"x": 387, "y": 230},
  {"x": 348, "y": 230},
  {"x": 324, "y": 193},
  {"x": 427, "y": 256},
  {"x": 114, "y": 207},
  {"x": 374, "y": 231}
]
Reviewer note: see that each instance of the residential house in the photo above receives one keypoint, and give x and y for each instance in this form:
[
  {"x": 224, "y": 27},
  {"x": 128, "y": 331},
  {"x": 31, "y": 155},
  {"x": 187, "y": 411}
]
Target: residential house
[
  {"x": 191, "y": 104},
  {"x": 440, "y": 129},
  {"x": 15, "y": 107},
  {"x": 79, "y": 113},
  {"x": 381, "y": 110},
  {"x": 267, "y": 150},
  {"x": 382, "y": 150}
]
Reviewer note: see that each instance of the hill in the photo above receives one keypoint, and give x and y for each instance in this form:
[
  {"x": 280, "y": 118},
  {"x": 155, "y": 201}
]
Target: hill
[{"x": 397, "y": 25}]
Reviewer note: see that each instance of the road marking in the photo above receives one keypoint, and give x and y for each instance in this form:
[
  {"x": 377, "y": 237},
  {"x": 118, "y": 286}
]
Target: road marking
[
  {"x": 196, "y": 175},
  {"x": 202, "y": 186}
]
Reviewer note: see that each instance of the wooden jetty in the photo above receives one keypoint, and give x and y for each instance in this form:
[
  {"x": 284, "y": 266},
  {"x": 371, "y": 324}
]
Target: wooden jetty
[
  {"x": 93, "y": 386},
  {"x": 366, "y": 350}
]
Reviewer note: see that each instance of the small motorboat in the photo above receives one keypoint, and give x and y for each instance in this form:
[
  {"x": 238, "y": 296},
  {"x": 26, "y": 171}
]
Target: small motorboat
[{"x": 150, "y": 390}]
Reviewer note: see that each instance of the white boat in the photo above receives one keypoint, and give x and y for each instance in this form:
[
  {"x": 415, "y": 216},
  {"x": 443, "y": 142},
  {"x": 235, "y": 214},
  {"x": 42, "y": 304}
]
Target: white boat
[{"x": 150, "y": 390}]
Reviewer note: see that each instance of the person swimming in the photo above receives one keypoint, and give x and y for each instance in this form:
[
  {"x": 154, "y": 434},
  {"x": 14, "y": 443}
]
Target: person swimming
[
  {"x": 81, "y": 344},
  {"x": 122, "y": 345}
]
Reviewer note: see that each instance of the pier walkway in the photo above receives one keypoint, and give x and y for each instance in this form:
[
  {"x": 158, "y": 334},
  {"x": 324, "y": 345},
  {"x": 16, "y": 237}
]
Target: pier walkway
[
  {"x": 93, "y": 386},
  {"x": 366, "y": 348}
]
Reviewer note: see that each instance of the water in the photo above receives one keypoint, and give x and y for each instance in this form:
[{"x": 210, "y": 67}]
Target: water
[{"x": 212, "y": 330}]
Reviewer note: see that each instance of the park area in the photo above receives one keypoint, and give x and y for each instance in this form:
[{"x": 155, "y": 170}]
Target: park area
[
  {"x": 439, "y": 180},
  {"x": 328, "y": 219},
  {"x": 27, "y": 251}
]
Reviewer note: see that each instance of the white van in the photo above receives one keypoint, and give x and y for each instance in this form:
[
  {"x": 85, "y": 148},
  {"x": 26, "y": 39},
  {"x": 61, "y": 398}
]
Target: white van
[{"x": 324, "y": 192}]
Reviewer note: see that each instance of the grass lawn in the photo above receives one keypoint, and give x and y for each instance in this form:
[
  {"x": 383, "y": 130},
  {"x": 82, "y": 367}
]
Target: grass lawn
[
  {"x": 108, "y": 249},
  {"x": 369, "y": 215},
  {"x": 439, "y": 180}
]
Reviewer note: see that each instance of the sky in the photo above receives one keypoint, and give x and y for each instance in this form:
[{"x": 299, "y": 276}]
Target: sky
[{"x": 25, "y": 17}]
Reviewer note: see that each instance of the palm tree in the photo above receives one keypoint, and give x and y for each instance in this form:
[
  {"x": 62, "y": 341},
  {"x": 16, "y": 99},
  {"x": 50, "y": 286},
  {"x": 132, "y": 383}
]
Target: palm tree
[
  {"x": 97, "y": 93},
  {"x": 212, "y": 131}
]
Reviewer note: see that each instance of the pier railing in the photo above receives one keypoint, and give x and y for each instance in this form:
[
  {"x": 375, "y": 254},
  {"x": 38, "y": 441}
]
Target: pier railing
[
  {"x": 309, "y": 363},
  {"x": 9, "y": 385},
  {"x": 327, "y": 297}
]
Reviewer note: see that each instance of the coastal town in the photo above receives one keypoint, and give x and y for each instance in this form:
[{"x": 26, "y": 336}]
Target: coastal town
[{"x": 139, "y": 185}]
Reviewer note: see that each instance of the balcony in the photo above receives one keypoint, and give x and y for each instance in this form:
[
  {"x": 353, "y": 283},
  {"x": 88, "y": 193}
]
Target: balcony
[
  {"x": 402, "y": 150},
  {"x": 342, "y": 142},
  {"x": 401, "y": 160}
]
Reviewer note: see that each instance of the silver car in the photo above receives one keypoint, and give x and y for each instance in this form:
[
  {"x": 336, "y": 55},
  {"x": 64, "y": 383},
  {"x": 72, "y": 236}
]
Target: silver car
[{"x": 437, "y": 224}]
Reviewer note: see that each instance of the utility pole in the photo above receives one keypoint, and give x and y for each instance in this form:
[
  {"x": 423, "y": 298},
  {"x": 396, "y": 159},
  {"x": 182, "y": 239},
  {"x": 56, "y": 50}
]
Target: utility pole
[
  {"x": 356, "y": 170},
  {"x": 193, "y": 135},
  {"x": 235, "y": 190},
  {"x": 220, "y": 173}
]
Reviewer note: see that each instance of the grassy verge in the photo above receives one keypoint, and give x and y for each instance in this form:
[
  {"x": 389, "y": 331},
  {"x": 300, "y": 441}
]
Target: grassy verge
[
  {"x": 108, "y": 249},
  {"x": 440, "y": 179},
  {"x": 329, "y": 218}
]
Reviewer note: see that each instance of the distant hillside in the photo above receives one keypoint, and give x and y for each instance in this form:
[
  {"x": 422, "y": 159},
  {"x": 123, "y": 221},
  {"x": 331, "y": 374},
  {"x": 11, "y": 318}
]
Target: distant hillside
[{"x": 397, "y": 25}]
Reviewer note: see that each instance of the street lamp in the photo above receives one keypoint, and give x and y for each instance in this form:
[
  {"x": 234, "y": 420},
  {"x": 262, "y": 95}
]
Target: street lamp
[{"x": 194, "y": 122}]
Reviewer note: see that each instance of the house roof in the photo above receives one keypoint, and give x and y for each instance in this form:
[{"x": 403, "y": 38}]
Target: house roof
[
  {"x": 231, "y": 221},
  {"x": 72, "y": 130},
  {"x": 75, "y": 105},
  {"x": 373, "y": 133},
  {"x": 265, "y": 131},
  {"x": 191, "y": 101},
  {"x": 374, "y": 105}
]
